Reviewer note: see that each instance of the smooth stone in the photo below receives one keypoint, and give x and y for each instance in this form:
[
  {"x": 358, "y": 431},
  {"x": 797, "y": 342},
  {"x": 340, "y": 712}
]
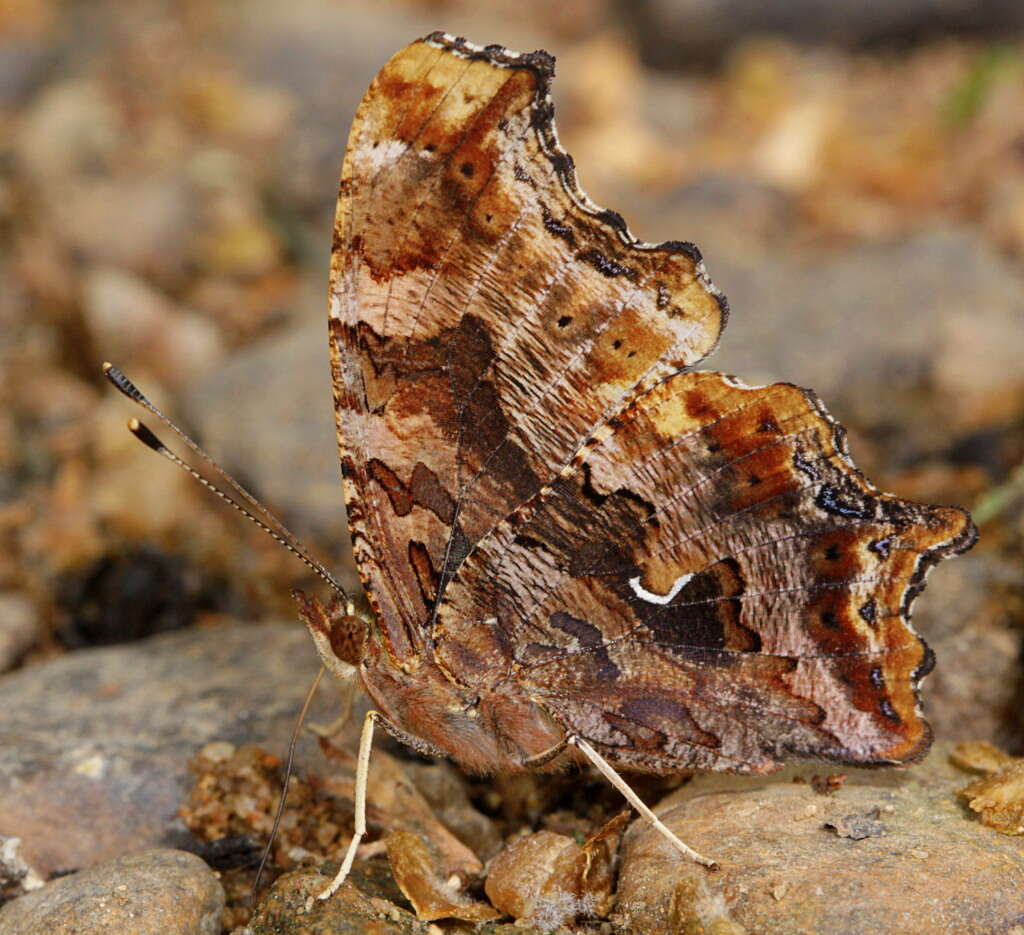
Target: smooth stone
[
  {"x": 932, "y": 868},
  {"x": 95, "y": 745},
  {"x": 975, "y": 691},
  {"x": 165, "y": 891},
  {"x": 268, "y": 416}
]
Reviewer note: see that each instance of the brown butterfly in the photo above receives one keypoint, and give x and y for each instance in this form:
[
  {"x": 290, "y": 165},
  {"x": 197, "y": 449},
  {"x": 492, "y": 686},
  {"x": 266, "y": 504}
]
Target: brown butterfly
[{"x": 575, "y": 546}]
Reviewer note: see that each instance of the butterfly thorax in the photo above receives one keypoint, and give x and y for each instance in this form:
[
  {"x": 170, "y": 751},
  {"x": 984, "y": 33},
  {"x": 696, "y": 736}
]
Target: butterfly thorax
[
  {"x": 482, "y": 730},
  {"x": 491, "y": 728}
]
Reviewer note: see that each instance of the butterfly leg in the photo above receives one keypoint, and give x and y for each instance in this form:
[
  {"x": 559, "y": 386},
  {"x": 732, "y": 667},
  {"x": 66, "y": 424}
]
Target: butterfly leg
[
  {"x": 542, "y": 759},
  {"x": 347, "y": 693},
  {"x": 362, "y": 774},
  {"x": 609, "y": 773}
]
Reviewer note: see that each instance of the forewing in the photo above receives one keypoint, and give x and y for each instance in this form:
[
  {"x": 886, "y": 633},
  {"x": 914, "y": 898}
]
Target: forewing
[
  {"x": 711, "y": 584},
  {"x": 486, "y": 317}
]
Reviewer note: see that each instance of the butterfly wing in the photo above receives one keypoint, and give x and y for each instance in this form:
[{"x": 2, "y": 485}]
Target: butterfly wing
[
  {"x": 712, "y": 585},
  {"x": 486, "y": 317},
  {"x": 680, "y": 569}
]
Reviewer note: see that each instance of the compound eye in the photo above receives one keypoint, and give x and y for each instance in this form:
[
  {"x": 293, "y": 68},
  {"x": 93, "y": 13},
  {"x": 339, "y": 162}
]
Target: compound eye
[{"x": 348, "y": 633}]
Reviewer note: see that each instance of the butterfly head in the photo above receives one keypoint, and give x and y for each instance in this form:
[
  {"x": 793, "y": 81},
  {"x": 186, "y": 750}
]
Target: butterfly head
[{"x": 339, "y": 635}]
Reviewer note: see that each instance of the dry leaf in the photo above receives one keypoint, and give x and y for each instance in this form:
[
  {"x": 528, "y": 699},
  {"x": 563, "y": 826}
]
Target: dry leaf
[
  {"x": 394, "y": 802},
  {"x": 414, "y": 861},
  {"x": 999, "y": 798}
]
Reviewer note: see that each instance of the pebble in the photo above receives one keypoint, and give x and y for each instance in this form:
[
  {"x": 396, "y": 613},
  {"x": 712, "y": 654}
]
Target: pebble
[
  {"x": 165, "y": 891},
  {"x": 19, "y": 628},
  {"x": 784, "y": 872},
  {"x": 95, "y": 745}
]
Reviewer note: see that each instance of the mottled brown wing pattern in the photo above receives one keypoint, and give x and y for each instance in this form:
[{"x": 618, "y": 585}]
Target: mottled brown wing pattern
[
  {"x": 486, "y": 317},
  {"x": 561, "y": 528},
  {"x": 710, "y": 584}
]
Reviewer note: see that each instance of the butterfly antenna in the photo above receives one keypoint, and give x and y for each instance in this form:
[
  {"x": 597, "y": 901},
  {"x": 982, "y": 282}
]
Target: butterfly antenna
[
  {"x": 254, "y": 892},
  {"x": 273, "y": 527}
]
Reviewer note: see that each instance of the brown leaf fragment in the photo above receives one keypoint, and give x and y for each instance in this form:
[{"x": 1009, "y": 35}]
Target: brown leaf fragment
[
  {"x": 394, "y": 802},
  {"x": 858, "y": 827},
  {"x": 999, "y": 798},
  {"x": 979, "y": 756},
  {"x": 414, "y": 860},
  {"x": 549, "y": 880},
  {"x": 444, "y": 789},
  {"x": 596, "y": 862}
]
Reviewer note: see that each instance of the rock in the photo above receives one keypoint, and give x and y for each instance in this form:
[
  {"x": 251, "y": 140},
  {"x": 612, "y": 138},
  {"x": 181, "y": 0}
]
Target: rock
[
  {"x": 71, "y": 125},
  {"x": 735, "y": 220},
  {"x": 291, "y": 908},
  {"x": 550, "y": 880},
  {"x": 967, "y": 616},
  {"x": 688, "y": 33},
  {"x": 15, "y": 875},
  {"x": 784, "y": 871},
  {"x": 25, "y": 62},
  {"x": 68, "y": 149},
  {"x": 95, "y": 745},
  {"x": 19, "y": 628},
  {"x": 268, "y": 415},
  {"x": 920, "y": 340},
  {"x": 164, "y": 891},
  {"x": 137, "y": 327}
]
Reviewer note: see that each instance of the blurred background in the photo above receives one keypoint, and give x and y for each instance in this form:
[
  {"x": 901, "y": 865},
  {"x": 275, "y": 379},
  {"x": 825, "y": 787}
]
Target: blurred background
[{"x": 852, "y": 171}]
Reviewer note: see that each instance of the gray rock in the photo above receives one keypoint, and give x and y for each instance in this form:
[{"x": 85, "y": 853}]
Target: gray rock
[
  {"x": 163, "y": 891},
  {"x": 689, "y": 33},
  {"x": 967, "y": 615},
  {"x": 94, "y": 746},
  {"x": 24, "y": 63},
  {"x": 920, "y": 334},
  {"x": 268, "y": 416},
  {"x": 918, "y": 341},
  {"x": 784, "y": 872},
  {"x": 737, "y": 221},
  {"x": 19, "y": 628}
]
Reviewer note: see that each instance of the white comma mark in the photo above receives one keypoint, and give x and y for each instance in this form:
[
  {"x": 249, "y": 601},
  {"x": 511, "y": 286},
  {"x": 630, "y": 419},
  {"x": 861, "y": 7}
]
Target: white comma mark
[{"x": 653, "y": 598}]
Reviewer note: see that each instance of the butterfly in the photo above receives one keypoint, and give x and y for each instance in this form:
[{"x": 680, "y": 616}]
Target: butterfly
[{"x": 574, "y": 545}]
